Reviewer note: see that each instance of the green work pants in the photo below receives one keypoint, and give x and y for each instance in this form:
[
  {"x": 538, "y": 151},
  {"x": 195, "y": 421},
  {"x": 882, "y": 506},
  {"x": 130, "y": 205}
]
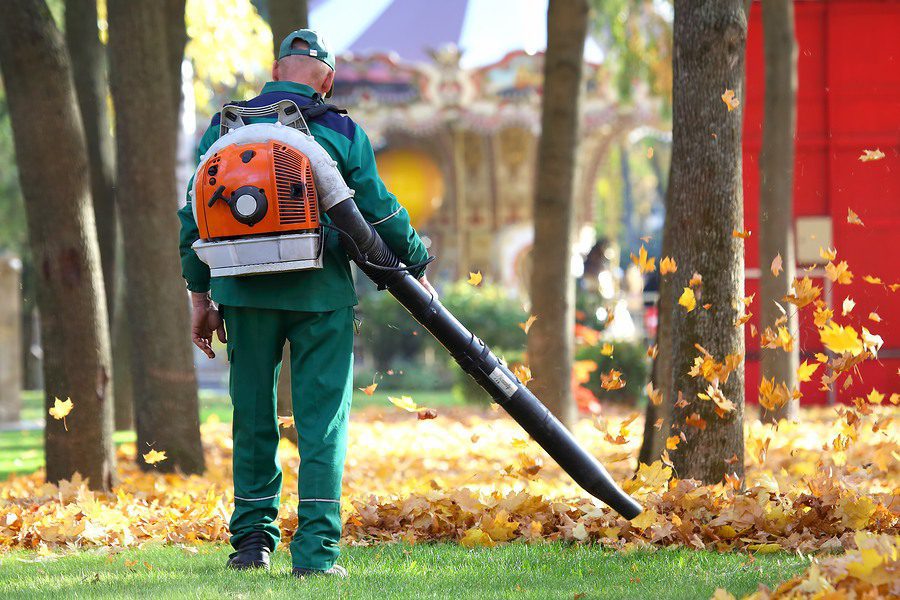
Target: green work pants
[{"x": 321, "y": 346}]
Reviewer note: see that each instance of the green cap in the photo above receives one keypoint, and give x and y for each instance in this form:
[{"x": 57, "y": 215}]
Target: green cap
[{"x": 317, "y": 48}]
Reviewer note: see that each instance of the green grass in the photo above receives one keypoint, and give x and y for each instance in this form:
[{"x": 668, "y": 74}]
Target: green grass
[
  {"x": 22, "y": 451},
  {"x": 400, "y": 571}
]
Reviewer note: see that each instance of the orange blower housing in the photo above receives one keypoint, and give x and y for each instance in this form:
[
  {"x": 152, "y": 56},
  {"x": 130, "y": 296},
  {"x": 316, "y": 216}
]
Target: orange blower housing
[
  {"x": 257, "y": 208},
  {"x": 254, "y": 189}
]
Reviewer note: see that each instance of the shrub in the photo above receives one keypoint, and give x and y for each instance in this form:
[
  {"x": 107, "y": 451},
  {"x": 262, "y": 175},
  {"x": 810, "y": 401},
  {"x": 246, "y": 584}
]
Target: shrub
[{"x": 628, "y": 357}]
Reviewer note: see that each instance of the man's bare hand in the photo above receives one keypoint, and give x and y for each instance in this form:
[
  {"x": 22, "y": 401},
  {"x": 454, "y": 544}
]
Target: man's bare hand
[
  {"x": 205, "y": 319},
  {"x": 427, "y": 285}
]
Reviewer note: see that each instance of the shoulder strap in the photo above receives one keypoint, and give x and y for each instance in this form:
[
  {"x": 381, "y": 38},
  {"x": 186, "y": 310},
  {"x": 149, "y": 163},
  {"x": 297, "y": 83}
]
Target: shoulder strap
[{"x": 286, "y": 111}]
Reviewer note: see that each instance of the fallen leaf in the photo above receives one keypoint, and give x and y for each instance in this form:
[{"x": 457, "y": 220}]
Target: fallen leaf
[
  {"x": 667, "y": 265},
  {"x": 743, "y": 234},
  {"x": 474, "y": 278},
  {"x": 847, "y": 306},
  {"x": 853, "y": 218},
  {"x": 696, "y": 279},
  {"x": 870, "y": 155},
  {"x": 612, "y": 380},
  {"x": 286, "y": 422},
  {"x": 730, "y": 100},
  {"x": 644, "y": 264},
  {"x": 60, "y": 409},
  {"x": 688, "y": 300},
  {"x": 806, "y": 371},
  {"x": 776, "y": 265},
  {"x": 405, "y": 402},
  {"x": 607, "y": 349},
  {"x": 369, "y": 389},
  {"x": 426, "y": 414},
  {"x": 528, "y": 323},
  {"x": 154, "y": 456}
]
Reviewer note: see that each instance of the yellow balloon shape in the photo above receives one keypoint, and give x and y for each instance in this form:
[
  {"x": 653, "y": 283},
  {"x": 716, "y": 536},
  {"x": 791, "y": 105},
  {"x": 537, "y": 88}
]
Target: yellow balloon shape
[{"x": 415, "y": 179}]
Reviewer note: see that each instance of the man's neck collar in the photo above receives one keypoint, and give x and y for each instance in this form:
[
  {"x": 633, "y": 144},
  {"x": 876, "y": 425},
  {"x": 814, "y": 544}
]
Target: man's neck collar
[{"x": 289, "y": 86}]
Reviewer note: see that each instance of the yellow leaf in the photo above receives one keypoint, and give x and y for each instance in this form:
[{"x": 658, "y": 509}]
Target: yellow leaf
[
  {"x": 476, "y": 537},
  {"x": 645, "y": 519},
  {"x": 696, "y": 279},
  {"x": 872, "y": 279},
  {"x": 286, "y": 421},
  {"x": 523, "y": 373},
  {"x": 847, "y": 306},
  {"x": 653, "y": 351},
  {"x": 612, "y": 380},
  {"x": 582, "y": 370},
  {"x": 874, "y": 316},
  {"x": 672, "y": 442},
  {"x": 740, "y": 233},
  {"x": 802, "y": 292},
  {"x": 154, "y": 456},
  {"x": 369, "y": 389},
  {"x": 607, "y": 349},
  {"x": 722, "y": 594},
  {"x": 853, "y": 218},
  {"x": 870, "y": 155},
  {"x": 875, "y": 397},
  {"x": 828, "y": 254},
  {"x": 667, "y": 265},
  {"x": 730, "y": 100},
  {"x": 764, "y": 548},
  {"x": 61, "y": 408},
  {"x": 806, "y": 371},
  {"x": 474, "y": 278},
  {"x": 653, "y": 394},
  {"x": 840, "y": 339},
  {"x": 688, "y": 300},
  {"x": 839, "y": 273},
  {"x": 644, "y": 264},
  {"x": 404, "y": 402},
  {"x": 528, "y": 323},
  {"x": 776, "y": 266}
]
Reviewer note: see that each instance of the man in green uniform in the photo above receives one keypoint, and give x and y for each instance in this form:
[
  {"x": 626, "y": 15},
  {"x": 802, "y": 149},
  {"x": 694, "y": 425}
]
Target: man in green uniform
[{"x": 312, "y": 311}]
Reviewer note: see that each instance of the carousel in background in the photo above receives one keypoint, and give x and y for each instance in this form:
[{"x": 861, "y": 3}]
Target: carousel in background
[{"x": 450, "y": 94}]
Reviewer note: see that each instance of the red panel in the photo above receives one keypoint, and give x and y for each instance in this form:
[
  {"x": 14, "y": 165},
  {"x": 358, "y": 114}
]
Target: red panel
[{"x": 848, "y": 101}]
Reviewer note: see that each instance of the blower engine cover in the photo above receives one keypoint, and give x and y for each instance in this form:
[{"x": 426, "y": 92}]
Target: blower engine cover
[{"x": 256, "y": 202}]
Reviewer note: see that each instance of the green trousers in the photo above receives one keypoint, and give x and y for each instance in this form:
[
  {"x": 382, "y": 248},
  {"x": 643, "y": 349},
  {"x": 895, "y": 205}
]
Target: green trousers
[{"x": 321, "y": 366}]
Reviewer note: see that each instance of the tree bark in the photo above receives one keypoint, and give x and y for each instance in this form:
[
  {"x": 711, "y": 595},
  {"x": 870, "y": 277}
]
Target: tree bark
[
  {"x": 286, "y": 16},
  {"x": 164, "y": 380},
  {"x": 89, "y": 71},
  {"x": 54, "y": 174},
  {"x": 776, "y": 193},
  {"x": 550, "y": 340},
  {"x": 705, "y": 206}
]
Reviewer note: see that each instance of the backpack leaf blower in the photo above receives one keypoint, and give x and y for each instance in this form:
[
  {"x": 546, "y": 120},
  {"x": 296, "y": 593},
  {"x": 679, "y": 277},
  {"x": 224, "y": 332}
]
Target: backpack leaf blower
[{"x": 257, "y": 197}]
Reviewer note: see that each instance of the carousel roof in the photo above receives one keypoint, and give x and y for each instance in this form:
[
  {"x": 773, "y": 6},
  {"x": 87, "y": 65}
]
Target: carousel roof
[{"x": 485, "y": 31}]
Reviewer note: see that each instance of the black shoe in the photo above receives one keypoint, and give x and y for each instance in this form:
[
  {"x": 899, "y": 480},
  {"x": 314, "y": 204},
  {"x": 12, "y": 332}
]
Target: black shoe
[
  {"x": 336, "y": 570},
  {"x": 251, "y": 553}
]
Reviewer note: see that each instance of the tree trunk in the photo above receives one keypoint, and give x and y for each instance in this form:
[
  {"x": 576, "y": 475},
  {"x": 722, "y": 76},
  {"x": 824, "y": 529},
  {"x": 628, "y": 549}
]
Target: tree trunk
[
  {"x": 89, "y": 70},
  {"x": 54, "y": 174},
  {"x": 550, "y": 340},
  {"x": 705, "y": 206},
  {"x": 776, "y": 188},
  {"x": 286, "y": 16},
  {"x": 165, "y": 383}
]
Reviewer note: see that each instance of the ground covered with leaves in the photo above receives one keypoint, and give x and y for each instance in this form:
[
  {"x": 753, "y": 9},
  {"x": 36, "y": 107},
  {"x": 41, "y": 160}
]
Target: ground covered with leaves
[{"x": 825, "y": 484}]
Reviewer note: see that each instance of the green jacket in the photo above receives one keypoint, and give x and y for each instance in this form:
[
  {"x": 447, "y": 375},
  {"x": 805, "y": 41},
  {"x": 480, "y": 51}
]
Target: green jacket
[{"x": 330, "y": 287}]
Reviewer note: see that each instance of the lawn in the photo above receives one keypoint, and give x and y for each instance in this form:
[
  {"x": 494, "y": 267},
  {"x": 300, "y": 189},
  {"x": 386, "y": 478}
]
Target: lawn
[
  {"x": 551, "y": 570},
  {"x": 22, "y": 451}
]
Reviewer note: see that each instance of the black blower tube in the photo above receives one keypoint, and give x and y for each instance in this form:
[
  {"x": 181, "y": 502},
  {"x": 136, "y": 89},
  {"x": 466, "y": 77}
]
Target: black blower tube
[{"x": 367, "y": 248}]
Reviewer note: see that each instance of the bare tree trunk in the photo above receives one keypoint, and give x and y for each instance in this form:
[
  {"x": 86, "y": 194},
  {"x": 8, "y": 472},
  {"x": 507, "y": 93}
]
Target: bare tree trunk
[
  {"x": 705, "y": 206},
  {"x": 89, "y": 70},
  {"x": 165, "y": 383},
  {"x": 286, "y": 16},
  {"x": 54, "y": 174},
  {"x": 776, "y": 192},
  {"x": 550, "y": 340}
]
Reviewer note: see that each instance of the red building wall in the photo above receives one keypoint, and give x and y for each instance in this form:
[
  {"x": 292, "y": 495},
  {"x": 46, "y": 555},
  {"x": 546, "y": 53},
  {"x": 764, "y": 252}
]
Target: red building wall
[{"x": 848, "y": 100}]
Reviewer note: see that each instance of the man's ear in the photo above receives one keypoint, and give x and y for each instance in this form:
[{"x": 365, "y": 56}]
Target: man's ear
[
  {"x": 329, "y": 81},
  {"x": 275, "y": 75}
]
